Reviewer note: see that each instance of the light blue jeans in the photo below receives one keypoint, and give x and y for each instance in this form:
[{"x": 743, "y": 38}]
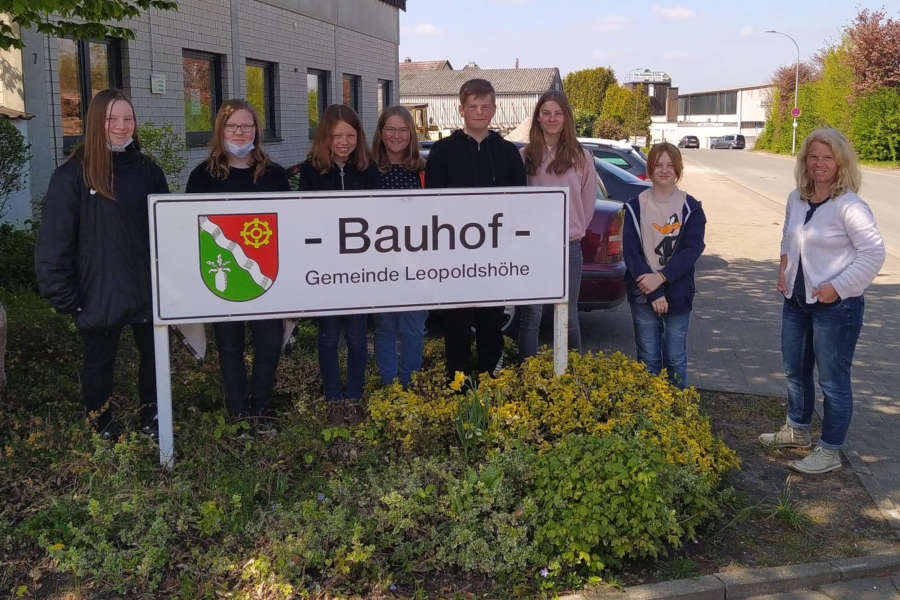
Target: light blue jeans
[
  {"x": 822, "y": 336},
  {"x": 530, "y": 315},
  {"x": 661, "y": 341},
  {"x": 409, "y": 329}
]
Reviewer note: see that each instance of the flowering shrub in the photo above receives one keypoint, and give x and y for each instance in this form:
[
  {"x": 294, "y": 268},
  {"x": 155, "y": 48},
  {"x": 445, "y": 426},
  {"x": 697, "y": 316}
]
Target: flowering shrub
[{"x": 597, "y": 395}]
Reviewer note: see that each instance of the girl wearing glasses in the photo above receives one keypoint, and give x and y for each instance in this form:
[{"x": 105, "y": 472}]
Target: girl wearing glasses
[
  {"x": 339, "y": 160},
  {"x": 395, "y": 150},
  {"x": 237, "y": 163},
  {"x": 93, "y": 253}
]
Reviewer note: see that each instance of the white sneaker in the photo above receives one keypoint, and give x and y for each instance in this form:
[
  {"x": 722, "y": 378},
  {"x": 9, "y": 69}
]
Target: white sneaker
[
  {"x": 820, "y": 460},
  {"x": 786, "y": 437}
]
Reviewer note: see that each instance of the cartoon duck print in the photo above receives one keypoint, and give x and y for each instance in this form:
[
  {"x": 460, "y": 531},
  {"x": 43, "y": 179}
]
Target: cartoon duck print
[{"x": 670, "y": 231}]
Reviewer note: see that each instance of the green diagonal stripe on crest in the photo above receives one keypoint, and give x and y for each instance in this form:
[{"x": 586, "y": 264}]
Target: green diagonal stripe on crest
[{"x": 240, "y": 285}]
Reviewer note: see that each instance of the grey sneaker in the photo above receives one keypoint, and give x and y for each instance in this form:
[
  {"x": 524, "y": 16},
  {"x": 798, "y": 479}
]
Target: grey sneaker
[
  {"x": 820, "y": 460},
  {"x": 786, "y": 437}
]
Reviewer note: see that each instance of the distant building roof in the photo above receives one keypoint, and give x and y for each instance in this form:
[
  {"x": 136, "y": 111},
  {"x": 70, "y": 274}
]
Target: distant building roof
[
  {"x": 425, "y": 65},
  {"x": 505, "y": 81},
  {"x": 11, "y": 113}
]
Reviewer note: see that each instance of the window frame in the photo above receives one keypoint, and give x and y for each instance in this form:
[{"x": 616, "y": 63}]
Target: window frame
[
  {"x": 322, "y": 78},
  {"x": 83, "y": 63},
  {"x": 355, "y": 82},
  {"x": 201, "y": 138},
  {"x": 384, "y": 93},
  {"x": 270, "y": 70}
]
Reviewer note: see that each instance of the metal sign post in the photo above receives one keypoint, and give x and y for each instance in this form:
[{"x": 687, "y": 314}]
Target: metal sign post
[{"x": 285, "y": 255}]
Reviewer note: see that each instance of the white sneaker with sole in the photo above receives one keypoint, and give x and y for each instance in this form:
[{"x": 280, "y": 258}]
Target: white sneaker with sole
[
  {"x": 786, "y": 437},
  {"x": 820, "y": 460}
]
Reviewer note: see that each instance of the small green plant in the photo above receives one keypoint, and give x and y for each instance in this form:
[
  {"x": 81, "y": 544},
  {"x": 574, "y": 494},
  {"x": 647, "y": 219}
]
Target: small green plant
[
  {"x": 473, "y": 418},
  {"x": 14, "y": 154},
  {"x": 166, "y": 148},
  {"x": 787, "y": 511}
]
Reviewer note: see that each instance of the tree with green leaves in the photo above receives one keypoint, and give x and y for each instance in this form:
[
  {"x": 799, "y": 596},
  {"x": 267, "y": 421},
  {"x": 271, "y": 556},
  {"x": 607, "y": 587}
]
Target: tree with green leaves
[
  {"x": 14, "y": 155},
  {"x": 78, "y": 19},
  {"x": 586, "y": 89},
  {"x": 628, "y": 109}
]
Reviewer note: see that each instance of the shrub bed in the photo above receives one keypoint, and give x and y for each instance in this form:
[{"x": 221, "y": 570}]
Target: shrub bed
[{"x": 514, "y": 486}]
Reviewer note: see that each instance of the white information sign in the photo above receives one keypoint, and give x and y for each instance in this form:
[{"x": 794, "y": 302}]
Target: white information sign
[
  {"x": 287, "y": 254},
  {"x": 263, "y": 256}
]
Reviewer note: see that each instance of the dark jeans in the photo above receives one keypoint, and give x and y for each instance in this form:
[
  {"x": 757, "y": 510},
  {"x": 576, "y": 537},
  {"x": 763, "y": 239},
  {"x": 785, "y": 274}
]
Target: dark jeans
[
  {"x": 100, "y": 347},
  {"x": 407, "y": 328},
  {"x": 661, "y": 341},
  {"x": 530, "y": 315},
  {"x": 458, "y": 339},
  {"x": 267, "y": 336},
  {"x": 822, "y": 336},
  {"x": 354, "y": 328}
]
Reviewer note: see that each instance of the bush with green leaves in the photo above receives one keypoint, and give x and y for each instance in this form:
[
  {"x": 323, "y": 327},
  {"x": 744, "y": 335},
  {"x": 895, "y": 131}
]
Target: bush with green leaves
[
  {"x": 876, "y": 125},
  {"x": 17, "y": 257},
  {"x": 166, "y": 148},
  {"x": 573, "y": 476},
  {"x": 14, "y": 154}
]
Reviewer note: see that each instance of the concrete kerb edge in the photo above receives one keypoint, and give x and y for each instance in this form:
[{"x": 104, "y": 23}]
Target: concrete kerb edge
[{"x": 744, "y": 583}]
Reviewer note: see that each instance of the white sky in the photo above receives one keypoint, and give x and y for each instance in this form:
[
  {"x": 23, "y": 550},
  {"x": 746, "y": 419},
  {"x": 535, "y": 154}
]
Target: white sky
[{"x": 702, "y": 44}]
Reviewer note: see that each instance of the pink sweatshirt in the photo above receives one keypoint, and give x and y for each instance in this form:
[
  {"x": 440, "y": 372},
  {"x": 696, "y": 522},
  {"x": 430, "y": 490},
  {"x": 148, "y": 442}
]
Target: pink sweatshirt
[{"x": 582, "y": 190}]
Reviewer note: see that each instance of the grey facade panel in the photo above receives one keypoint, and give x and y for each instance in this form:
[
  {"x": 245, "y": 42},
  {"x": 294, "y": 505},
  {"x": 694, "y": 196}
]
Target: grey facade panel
[{"x": 302, "y": 36}]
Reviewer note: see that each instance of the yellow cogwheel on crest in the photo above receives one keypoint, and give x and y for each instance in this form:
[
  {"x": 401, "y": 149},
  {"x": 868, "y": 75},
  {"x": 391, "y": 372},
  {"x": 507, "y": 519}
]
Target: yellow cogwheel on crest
[{"x": 256, "y": 233}]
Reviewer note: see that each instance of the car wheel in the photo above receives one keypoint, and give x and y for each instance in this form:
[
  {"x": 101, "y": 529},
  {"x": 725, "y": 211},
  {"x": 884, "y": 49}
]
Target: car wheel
[{"x": 510, "y": 326}]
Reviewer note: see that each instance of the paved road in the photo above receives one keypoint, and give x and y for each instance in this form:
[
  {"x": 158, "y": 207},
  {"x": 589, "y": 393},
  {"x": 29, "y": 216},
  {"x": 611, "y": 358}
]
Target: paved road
[{"x": 735, "y": 330}]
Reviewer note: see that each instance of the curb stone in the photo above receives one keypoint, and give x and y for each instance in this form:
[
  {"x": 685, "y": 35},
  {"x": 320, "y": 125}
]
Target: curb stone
[{"x": 744, "y": 583}]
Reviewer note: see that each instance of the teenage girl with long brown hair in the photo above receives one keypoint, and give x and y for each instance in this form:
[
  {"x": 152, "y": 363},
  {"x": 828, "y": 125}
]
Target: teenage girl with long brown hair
[
  {"x": 93, "y": 253},
  {"x": 554, "y": 157}
]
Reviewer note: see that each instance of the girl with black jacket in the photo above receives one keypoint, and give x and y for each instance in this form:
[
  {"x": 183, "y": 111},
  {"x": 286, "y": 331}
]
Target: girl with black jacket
[
  {"x": 339, "y": 160},
  {"x": 92, "y": 256},
  {"x": 237, "y": 163}
]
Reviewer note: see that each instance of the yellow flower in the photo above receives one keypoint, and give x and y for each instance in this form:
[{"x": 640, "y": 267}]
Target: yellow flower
[
  {"x": 57, "y": 546},
  {"x": 458, "y": 380}
]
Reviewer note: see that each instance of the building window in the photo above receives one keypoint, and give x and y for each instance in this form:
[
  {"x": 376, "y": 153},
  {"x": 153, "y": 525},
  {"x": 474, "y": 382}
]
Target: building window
[
  {"x": 202, "y": 94},
  {"x": 384, "y": 94},
  {"x": 351, "y": 91},
  {"x": 261, "y": 94},
  {"x": 85, "y": 68},
  {"x": 316, "y": 97}
]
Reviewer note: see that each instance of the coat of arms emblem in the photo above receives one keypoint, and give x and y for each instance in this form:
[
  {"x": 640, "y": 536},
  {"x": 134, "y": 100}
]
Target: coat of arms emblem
[{"x": 239, "y": 254}]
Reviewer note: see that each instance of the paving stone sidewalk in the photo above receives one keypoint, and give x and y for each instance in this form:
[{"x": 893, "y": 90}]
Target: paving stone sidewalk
[{"x": 734, "y": 342}]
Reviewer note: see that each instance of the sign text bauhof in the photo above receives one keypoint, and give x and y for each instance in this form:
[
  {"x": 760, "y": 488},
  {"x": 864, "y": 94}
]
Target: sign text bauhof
[{"x": 246, "y": 256}]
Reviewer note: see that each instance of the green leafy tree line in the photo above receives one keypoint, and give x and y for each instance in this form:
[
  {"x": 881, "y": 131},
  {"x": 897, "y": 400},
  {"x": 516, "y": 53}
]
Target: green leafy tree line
[{"x": 853, "y": 86}]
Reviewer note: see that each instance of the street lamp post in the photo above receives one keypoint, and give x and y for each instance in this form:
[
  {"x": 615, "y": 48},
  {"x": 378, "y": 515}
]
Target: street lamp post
[{"x": 796, "y": 85}]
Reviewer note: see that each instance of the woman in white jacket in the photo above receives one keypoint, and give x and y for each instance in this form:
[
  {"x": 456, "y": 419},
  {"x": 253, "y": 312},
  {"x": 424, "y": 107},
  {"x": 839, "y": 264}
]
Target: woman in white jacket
[{"x": 831, "y": 250}]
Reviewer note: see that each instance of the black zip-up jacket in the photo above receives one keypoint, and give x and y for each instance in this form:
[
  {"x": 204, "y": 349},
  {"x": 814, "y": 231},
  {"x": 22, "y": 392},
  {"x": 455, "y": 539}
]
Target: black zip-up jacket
[
  {"x": 460, "y": 161},
  {"x": 347, "y": 177},
  {"x": 92, "y": 255}
]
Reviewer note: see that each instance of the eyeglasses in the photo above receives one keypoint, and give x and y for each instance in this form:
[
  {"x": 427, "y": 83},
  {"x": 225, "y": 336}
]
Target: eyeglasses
[
  {"x": 234, "y": 127},
  {"x": 395, "y": 130}
]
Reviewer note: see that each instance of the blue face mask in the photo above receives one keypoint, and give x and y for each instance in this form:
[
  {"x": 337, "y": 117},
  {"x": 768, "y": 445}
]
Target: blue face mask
[
  {"x": 239, "y": 151},
  {"x": 119, "y": 147}
]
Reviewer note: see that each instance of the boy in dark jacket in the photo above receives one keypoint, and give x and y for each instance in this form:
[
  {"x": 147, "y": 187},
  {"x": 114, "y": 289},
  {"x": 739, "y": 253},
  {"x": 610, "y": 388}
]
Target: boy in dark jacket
[{"x": 474, "y": 156}]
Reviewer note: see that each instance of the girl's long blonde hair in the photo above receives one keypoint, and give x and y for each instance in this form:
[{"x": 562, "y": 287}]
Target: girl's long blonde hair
[
  {"x": 217, "y": 162},
  {"x": 848, "y": 176},
  {"x": 320, "y": 152}
]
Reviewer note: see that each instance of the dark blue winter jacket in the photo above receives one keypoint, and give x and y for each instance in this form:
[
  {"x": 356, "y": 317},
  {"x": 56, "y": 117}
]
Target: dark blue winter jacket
[{"x": 679, "y": 271}]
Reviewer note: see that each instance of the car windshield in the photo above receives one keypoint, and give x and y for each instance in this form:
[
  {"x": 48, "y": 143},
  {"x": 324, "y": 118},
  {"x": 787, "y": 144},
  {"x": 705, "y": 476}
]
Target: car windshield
[{"x": 615, "y": 171}]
